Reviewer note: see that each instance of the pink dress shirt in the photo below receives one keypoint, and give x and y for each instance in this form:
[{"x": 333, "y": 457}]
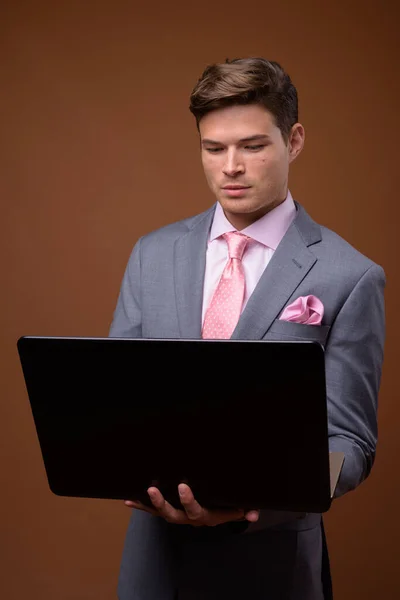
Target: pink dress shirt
[{"x": 266, "y": 233}]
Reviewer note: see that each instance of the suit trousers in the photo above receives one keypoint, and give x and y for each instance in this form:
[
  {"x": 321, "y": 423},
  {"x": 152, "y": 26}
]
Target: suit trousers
[{"x": 265, "y": 565}]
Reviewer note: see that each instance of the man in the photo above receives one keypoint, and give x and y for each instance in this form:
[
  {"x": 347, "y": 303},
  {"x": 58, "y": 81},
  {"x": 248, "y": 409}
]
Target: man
[{"x": 231, "y": 272}]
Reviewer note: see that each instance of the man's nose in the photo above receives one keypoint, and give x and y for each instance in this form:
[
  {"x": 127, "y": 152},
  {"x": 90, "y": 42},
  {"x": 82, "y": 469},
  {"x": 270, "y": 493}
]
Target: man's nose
[{"x": 233, "y": 164}]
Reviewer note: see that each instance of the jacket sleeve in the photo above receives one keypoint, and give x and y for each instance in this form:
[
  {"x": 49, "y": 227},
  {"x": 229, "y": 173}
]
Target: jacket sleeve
[
  {"x": 147, "y": 564},
  {"x": 353, "y": 361},
  {"x": 127, "y": 320}
]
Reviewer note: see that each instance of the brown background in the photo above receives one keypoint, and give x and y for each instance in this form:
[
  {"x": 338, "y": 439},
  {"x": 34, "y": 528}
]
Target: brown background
[{"x": 97, "y": 148}]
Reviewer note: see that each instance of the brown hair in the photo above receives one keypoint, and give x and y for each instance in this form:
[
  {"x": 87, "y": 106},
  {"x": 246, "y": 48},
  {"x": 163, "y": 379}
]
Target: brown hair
[{"x": 247, "y": 81}]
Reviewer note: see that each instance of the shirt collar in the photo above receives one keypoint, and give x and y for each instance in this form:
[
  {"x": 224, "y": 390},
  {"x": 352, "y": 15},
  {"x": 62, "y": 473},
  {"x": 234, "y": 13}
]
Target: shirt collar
[{"x": 268, "y": 230}]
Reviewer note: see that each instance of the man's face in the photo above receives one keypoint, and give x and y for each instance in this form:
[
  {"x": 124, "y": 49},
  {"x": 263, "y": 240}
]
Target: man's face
[{"x": 246, "y": 160}]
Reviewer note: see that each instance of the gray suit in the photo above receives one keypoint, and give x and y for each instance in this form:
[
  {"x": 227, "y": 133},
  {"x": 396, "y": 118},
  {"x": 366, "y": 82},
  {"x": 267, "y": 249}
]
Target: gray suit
[{"x": 161, "y": 296}]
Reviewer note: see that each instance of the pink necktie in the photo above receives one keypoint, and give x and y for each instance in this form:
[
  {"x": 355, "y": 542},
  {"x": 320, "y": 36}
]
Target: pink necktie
[{"x": 224, "y": 311}]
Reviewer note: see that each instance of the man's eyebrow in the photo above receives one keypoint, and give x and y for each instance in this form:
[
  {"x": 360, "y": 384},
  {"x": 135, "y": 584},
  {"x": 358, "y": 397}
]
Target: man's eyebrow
[{"x": 251, "y": 138}]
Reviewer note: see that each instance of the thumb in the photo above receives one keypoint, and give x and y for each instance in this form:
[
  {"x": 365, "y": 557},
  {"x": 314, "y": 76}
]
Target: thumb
[{"x": 252, "y": 516}]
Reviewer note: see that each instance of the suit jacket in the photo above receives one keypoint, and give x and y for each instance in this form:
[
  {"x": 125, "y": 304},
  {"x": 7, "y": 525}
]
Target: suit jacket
[{"x": 161, "y": 296}]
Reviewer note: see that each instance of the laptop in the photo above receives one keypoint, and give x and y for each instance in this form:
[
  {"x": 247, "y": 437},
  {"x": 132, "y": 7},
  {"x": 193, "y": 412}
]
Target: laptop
[{"x": 244, "y": 423}]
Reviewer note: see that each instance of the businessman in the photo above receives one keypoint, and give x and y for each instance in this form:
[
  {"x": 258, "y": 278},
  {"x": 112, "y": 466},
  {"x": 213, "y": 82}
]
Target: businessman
[{"x": 253, "y": 266}]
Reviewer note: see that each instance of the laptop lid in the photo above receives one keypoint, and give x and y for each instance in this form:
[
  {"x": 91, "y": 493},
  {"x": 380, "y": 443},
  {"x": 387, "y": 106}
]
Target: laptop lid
[{"x": 244, "y": 423}]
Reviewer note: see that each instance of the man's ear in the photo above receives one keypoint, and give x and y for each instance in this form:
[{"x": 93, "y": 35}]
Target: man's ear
[{"x": 296, "y": 141}]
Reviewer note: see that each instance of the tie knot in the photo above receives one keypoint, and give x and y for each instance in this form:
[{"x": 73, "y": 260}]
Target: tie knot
[{"x": 236, "y": 243}]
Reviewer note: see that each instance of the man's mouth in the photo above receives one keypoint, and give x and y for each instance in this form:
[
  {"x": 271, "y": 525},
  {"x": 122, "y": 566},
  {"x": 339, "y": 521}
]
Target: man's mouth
[
  {"x": 235, "y": 191},
  {"x": 236, "y": 187}
]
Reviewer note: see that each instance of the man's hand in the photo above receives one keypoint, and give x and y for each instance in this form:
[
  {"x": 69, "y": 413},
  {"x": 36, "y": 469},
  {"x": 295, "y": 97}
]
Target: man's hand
[{"x": 192, "y": 513}]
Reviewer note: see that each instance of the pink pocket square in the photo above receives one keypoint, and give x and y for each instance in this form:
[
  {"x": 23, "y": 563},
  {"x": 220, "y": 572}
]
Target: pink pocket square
[{"x": 308, "y": 310}]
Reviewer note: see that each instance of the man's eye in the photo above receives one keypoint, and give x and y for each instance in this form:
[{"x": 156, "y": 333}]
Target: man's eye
[{"x": 255, "y": 147}]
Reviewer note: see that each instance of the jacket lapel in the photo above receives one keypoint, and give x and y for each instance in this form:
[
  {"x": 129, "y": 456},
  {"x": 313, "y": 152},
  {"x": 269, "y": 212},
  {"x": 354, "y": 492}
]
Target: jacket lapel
[
  {"x": 290, "y": 263},
  {"x": 189, "y": 270}
]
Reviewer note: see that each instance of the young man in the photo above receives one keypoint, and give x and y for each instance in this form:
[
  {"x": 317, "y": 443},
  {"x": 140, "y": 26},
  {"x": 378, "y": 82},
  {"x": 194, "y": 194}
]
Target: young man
[{"x": 233, "y": 271}]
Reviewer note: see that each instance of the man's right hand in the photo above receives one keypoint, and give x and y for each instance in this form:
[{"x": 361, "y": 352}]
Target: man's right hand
[{"x": 192, "y": 512}]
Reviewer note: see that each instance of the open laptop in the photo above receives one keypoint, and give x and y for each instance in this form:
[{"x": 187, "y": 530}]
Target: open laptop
[{"x": 244, "y": 423}]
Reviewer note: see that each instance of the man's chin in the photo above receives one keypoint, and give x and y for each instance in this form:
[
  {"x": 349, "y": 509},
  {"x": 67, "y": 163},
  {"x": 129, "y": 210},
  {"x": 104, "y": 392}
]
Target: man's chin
[
  {"x": 247, "y": 206},
  {"x": 238, "y": 205}
]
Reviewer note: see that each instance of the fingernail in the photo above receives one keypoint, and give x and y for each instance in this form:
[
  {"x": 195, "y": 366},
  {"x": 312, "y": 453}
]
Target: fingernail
[{"x": 183, "y": 489}]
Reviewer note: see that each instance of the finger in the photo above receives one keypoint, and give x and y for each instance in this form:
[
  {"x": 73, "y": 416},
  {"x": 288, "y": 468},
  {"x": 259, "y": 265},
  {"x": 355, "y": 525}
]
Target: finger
[
  {"x": 135, "y": 504},
  {"x": 217, "y": 517},
  {"x": 252, "y": 516},
  {"x": 140, "y": 506},
  {"x": 192, "y": 508},
  {"x": 199, "y": 515},
  {"x": 165, "y": 509}
]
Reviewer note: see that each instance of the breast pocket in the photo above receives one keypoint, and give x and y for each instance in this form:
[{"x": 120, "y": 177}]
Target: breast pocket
[{"x": 285, "y": 330}]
